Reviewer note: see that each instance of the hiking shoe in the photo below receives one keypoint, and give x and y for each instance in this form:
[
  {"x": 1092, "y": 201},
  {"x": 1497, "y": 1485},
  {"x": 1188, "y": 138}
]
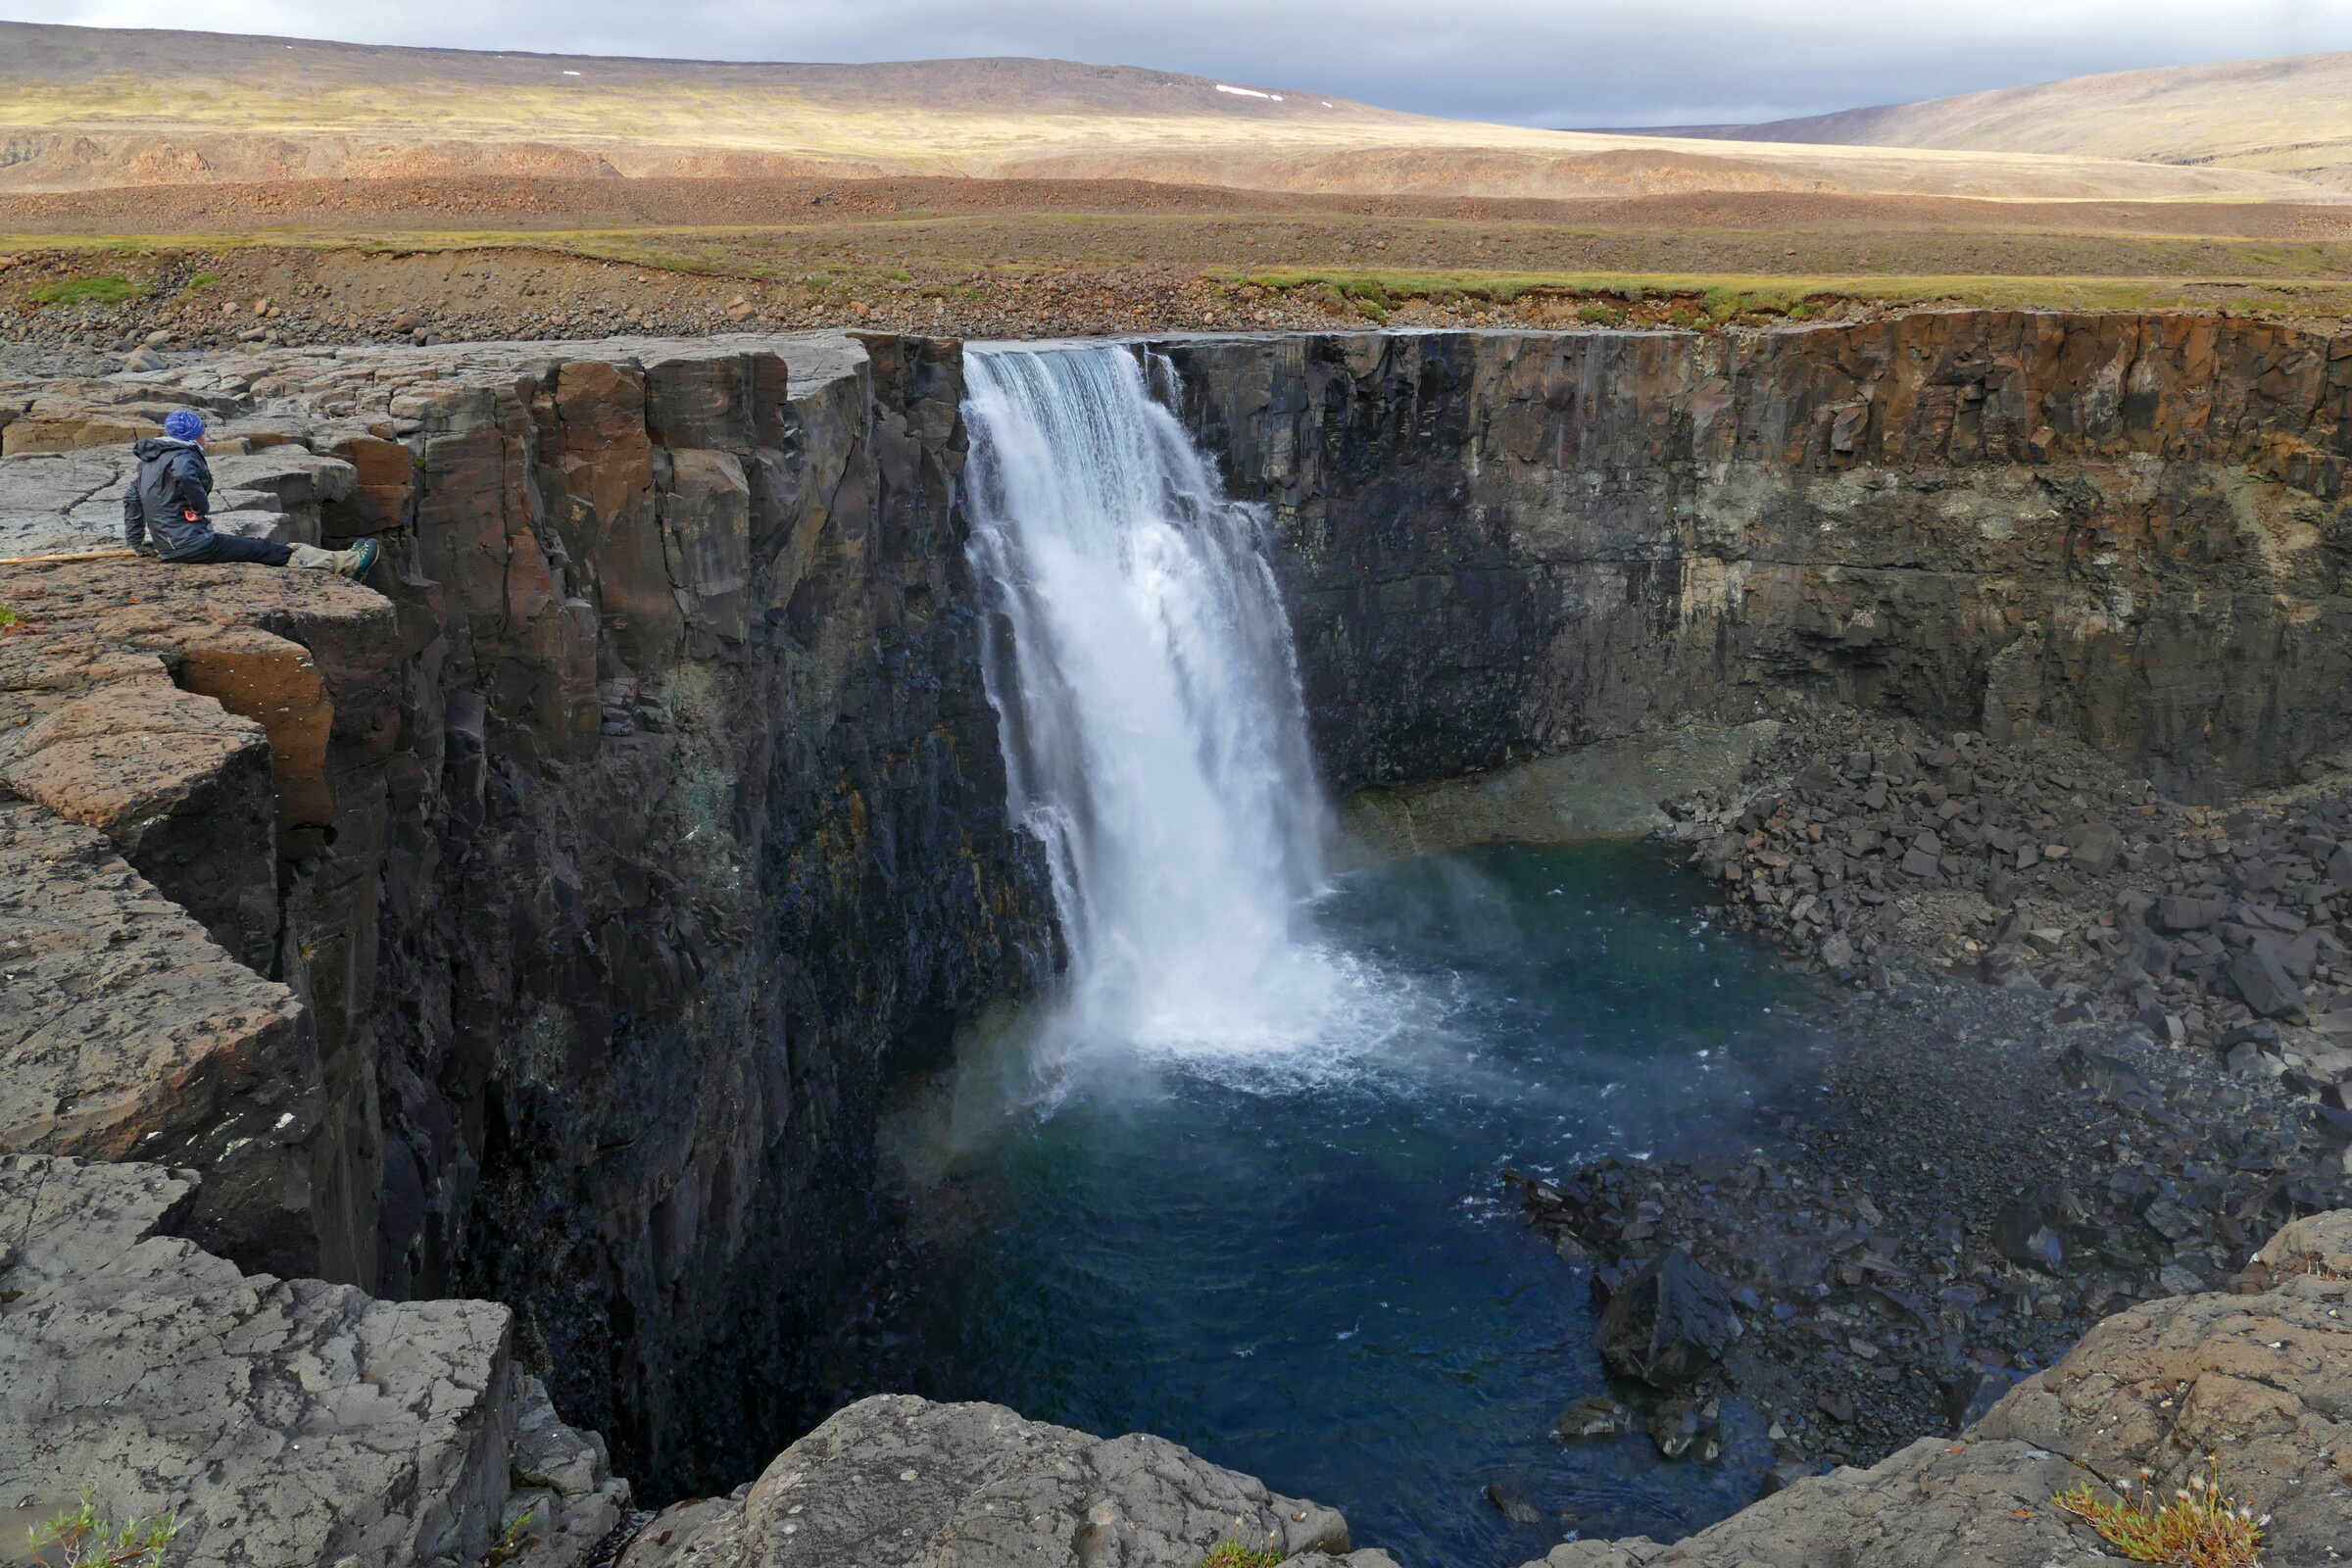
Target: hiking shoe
[{"x": 356, "y": 562}]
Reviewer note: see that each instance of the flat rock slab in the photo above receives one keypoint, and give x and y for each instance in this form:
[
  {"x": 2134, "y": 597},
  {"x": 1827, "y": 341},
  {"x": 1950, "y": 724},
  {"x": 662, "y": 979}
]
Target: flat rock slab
[
  {"x": 125, "y": 1031},
  {"x": 283, "y": 1421},
  {"x": 1606, "y": 790},
  {"x": 897, "y": 1481}
]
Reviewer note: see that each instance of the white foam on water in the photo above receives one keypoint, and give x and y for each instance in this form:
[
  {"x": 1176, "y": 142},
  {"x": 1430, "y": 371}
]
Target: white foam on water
[{"x": 1146, "y": 689}]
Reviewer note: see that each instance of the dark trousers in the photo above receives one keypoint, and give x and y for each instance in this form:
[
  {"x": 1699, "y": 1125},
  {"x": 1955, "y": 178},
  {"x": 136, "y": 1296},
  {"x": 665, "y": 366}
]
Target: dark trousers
[{"x": 233, "y": 547}]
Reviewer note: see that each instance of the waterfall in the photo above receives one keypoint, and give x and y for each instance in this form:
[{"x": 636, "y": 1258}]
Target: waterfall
[{"x": 1147, "y": 697}]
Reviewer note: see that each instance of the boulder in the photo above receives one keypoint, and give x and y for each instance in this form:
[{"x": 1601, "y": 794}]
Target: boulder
[
  {"x": 1670, "y": 1324},
  {"x": 282, "y": 1421},
  {"x": 1687, "y": 1426},
  {"x": 2093, "y": 845},
  {"x": 2265, "y": 985},
  {"x": 1514, "y": 1502},
  {"x": 897, "y": 1481},
  {"x": 2179, "y": 913},
  {"x": 1599, "y": 1416}
]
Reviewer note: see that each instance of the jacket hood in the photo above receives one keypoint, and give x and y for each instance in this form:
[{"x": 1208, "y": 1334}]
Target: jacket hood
[{"x": 155, "y": 446}]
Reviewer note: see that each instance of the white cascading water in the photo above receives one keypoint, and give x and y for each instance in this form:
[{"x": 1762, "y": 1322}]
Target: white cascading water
[{"x": 1142, "y": 671}]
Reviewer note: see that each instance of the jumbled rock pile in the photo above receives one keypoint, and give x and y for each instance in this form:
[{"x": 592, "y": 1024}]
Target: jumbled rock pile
[
  {"x": 2047, "y": 871},
  {"x": 2091, "y": 1052},
  {"x": 1881, "y": 1280}
]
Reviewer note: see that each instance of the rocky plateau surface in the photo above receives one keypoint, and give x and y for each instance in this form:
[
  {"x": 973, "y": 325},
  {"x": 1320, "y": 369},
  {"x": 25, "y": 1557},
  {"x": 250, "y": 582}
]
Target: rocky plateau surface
[{"x": 273, "y": 1420}]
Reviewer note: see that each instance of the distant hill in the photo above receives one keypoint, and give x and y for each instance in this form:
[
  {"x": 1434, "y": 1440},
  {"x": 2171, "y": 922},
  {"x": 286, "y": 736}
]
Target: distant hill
[
  {"x": 2290, "y": 115},
  {"x": 80, "y": 110}
]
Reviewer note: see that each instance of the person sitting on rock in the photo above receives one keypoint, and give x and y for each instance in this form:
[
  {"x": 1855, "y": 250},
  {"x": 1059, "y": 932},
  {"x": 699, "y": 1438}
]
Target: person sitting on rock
[{"x": 172, "y": 499}]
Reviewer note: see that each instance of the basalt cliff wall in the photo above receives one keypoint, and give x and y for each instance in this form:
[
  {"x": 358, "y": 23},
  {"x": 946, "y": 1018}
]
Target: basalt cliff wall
[
  {"x": 544, "y": 920},
  {"x": 1497, "y": 545},
  {"x": 586, "y": 882}
]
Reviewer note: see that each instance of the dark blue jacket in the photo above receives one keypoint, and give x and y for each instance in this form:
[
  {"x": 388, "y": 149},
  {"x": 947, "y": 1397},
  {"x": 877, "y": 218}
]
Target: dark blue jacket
[{"x": 173, "y": 480}]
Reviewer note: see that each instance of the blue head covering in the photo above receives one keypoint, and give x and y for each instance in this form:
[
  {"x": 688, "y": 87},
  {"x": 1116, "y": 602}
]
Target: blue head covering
[{"x": 184, "y": 424}]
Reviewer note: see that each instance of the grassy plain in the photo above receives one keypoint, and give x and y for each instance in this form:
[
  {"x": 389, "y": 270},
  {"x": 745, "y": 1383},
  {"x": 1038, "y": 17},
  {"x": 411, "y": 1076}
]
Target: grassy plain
[{"x": 512, "y": 256}]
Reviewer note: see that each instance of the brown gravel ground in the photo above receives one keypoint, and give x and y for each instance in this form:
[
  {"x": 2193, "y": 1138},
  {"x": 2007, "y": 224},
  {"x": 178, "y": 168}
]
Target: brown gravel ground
[{"x": 340, "y": 261}]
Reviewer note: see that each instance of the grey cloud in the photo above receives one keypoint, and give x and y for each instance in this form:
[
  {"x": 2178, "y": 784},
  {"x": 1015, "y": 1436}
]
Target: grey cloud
[{"x": 1561, "y": 63}]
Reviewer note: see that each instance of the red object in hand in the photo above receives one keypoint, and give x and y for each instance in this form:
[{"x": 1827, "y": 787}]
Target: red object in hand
[{"x": 191, "y": 517}]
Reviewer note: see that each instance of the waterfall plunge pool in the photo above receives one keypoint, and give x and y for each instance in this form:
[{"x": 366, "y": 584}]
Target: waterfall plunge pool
[
  {"x": 1301, "y": 1263},
  {"x": 1234, "y": 1180}
]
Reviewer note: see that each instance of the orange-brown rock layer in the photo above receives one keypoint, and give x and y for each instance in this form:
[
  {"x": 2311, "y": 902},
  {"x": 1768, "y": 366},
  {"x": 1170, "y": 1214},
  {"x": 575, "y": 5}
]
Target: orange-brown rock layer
[{"x": 602, "y": 852}]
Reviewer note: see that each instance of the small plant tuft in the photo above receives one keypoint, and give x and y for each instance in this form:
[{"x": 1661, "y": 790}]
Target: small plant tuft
[
  {"x": 107, "y": 290},
  {"x": 2197, "y": 1527},
  {"x": 1233, "y": 1554},
  {"x": 84, "y": 1540},
  {"x": 510, "y": 1541}
]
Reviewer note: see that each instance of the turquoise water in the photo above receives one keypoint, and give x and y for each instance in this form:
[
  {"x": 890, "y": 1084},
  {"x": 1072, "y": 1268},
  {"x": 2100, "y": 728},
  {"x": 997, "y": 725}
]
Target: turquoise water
[{"x": 1297, "y": 1257}]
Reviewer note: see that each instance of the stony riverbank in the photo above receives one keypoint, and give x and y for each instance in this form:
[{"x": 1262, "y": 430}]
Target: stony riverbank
[{"x": 2081, "y": 1049}]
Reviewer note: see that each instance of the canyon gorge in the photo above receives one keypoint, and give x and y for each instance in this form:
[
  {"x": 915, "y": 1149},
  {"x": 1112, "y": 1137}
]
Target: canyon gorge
[{"x": 530, "y": 943}]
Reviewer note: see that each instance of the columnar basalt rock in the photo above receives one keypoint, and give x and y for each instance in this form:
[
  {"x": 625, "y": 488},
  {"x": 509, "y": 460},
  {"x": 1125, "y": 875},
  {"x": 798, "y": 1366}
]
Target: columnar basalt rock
[
  {"x": 224, "y": 727},
  {"x": 2129, "y": 528},
  {"x": 618, "y": 851},
  {"x": 579, "y": 884},
  {"x": 124, "y": 1034}
]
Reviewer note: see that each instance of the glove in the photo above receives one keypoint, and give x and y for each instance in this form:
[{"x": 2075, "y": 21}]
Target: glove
[{"x": 187, "y": 515}]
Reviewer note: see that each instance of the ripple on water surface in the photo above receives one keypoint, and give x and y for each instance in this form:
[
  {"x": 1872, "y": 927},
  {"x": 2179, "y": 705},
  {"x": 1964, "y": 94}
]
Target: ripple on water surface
[{"x": 1296, "y": 1258}]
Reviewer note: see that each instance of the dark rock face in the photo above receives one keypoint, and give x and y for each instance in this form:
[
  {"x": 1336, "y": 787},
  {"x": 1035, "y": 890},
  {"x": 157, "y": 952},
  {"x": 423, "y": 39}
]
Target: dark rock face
[
  {"x": 707, "y": 826},
  {"x": 1669, "y": 1324},
  {"x": 2126, "y": 528},
  {"x": 619, "y": 858}
]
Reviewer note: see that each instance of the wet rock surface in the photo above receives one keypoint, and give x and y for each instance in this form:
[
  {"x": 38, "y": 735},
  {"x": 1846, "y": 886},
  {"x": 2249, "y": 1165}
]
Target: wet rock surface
[{"x": 896, "y": 1480}]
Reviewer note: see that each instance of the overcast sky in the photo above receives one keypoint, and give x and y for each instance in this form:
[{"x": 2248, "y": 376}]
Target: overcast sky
[{"x": 1529, "y": 62}]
